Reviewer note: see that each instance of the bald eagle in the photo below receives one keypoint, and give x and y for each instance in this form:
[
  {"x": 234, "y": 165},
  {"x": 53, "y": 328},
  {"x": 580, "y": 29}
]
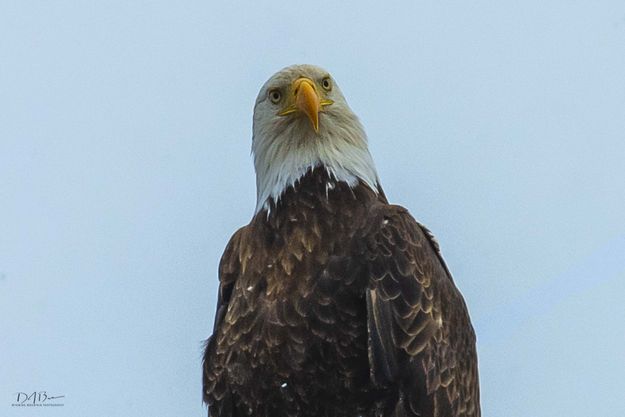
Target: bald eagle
[{"x": 332, "y": 302}]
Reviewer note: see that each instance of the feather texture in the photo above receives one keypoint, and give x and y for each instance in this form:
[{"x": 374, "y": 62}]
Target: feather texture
[{"x": 337, "y": 304}]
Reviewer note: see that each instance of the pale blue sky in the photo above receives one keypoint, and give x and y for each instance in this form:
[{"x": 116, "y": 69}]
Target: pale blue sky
[{"x": 125, "y": 166}]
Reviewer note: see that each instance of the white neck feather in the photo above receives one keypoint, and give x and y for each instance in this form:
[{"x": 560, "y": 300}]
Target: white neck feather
[{"x": 281, "y": 160}]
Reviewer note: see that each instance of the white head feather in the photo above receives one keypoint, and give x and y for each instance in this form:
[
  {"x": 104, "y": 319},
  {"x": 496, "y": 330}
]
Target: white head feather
[{"x": 285, "y": 148}]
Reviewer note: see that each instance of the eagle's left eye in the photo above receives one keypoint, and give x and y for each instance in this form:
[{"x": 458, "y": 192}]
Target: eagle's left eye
[{"x": 326, "y": 83}]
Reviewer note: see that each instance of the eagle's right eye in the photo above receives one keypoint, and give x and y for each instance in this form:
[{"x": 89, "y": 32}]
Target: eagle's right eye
[{"x": 275, "y": 96}]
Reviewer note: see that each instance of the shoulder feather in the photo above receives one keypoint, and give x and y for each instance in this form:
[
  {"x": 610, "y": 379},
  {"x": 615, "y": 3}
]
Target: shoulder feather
[{"x": 420, "y": 336}]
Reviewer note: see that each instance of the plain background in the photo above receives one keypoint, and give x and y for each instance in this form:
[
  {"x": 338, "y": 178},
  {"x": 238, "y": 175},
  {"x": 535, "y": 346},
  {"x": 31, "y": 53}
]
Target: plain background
[{"x": 125, "y": 132}]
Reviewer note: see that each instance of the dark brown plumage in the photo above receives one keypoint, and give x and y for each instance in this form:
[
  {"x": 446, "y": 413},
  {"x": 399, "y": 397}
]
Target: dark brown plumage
[{"x": 338, "y": 304}]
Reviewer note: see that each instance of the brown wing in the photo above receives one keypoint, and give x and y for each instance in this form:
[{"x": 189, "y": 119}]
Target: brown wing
[
  {"x": 228, "y": 272},
  {"x": 421, "y": 342}
]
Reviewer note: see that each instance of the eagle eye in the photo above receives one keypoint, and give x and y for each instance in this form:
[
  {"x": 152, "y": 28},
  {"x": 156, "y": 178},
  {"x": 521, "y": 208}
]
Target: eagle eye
[
  {"x": 326, "y": 84},
  {"x": 275, "y": 96}
]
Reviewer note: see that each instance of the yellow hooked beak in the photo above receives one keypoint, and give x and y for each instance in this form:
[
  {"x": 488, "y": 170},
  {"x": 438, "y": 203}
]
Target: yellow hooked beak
[{"x": 304, "y": 98}]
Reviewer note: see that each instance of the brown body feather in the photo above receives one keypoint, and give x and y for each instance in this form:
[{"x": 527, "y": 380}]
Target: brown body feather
[{"x": 338, "y": 304}]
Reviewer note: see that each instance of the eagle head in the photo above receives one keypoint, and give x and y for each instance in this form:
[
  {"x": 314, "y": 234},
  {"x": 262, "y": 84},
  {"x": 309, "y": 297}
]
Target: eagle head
[{"x": 302, "y": 122}]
